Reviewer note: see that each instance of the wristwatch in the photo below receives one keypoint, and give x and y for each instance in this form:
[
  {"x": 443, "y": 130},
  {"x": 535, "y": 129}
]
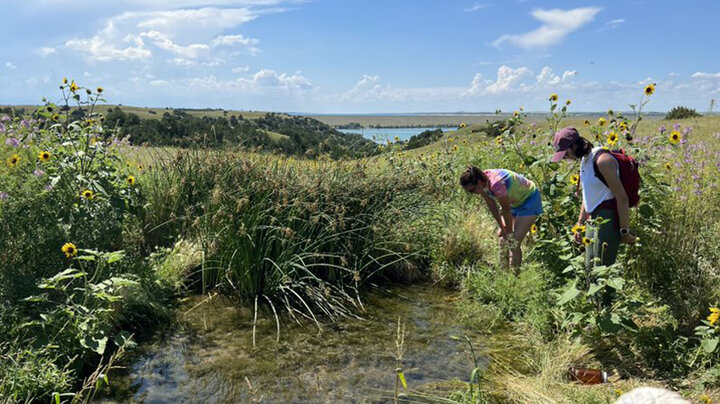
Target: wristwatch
[{"x": 624, "y": 231}]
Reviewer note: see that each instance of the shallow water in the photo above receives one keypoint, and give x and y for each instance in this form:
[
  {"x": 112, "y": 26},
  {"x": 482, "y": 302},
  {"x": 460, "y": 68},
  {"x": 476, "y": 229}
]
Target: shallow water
[
  {"x": 383, "y": 134},
  {"x": 208, "y": 356}
]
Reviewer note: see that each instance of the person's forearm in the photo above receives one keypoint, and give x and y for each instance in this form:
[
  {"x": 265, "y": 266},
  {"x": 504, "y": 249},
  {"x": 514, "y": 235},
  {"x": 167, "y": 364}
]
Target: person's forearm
[
  {"x": 583, "y": 215},
  {"x": 623, "y": 209},
  {"x": 507, "y": 217},
  {"x": 496, "y": 214}
]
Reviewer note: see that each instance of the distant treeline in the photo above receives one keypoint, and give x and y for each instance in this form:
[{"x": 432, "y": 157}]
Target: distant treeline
[{"x": 292, "y": 135}]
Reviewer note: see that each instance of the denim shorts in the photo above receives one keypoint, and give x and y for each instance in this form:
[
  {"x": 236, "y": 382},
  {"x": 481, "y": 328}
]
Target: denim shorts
[{"x": 531, "y": 207}]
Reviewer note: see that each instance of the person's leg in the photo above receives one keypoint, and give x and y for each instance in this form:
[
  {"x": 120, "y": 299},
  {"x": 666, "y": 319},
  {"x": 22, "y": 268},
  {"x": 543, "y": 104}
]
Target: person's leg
[
  {"x": 606, "y": 242},
  {"x": 504, "y": 252},
  {"x": 521, "y": 228}
]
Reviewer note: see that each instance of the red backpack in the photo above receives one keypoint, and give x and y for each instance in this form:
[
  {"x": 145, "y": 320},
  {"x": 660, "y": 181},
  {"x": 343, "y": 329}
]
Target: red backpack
[{"x": 629, "y": 174}]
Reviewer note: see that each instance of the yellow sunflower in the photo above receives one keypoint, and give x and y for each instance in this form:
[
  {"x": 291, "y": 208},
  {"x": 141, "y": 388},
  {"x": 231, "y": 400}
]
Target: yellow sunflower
[
  {"x": 88, "y": 194},
  {"x": 674, "y": 137},
  {"x": 578, "y": 228},
  {"x": 44, "y": 156},
  {"x": 74, "y": 87},
  {"x": 99, "y": 90},
  {"x": 668, "y": 166},
  {"x": 714, "y": 315},
  {"x": 586, "y": 123},
  {"x": 69, "y": 249},
  {"x": 623, "y": 126},
  {"x": 499, "y": 140},
  {"x": 64, "y": 80},
  {"x": 586, "y": 241},
  {"x": 612, "y": 138},
  {"x": 553, "y": 97},
  {"x": 533, "y": 229},
  {"x": 462, "y": 124},
  {"x": 649, "y": 89},
  {"x": 131, "y": 180},
  {"x": 141, "y": 167},
  {"x": 601, "y": 121},
  {"x": 13, "y": 160},
  {"x": 568, "y": 102},
  {"x": 574, "y": 179},
  {"x": 516, "y": 113}
]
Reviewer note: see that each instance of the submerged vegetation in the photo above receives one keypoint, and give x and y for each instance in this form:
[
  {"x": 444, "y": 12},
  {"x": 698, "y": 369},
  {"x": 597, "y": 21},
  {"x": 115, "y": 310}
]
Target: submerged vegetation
[{"x": 99, "y": 235}]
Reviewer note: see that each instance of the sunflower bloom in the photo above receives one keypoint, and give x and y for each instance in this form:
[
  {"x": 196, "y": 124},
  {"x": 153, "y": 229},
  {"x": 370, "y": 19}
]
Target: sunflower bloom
[
  {"x": 674, "y": 137},
  {"x": 586, "y": 241},
  {"x": 88, "y": 194},
  {"x": 533, "y": 229},
  {"x": 99, "y": 90},
  {"x": 499, "y": 141},
  {"x": 586, "y": 123},
  {"x": 553, "y": 97},
  {"x": 131, "y": 180},
  {"x": 74, "y": 87},
  {"x": 462, "y": 125},
  {"x": 714, "y": 315},
  {"x": 649, "y": 89},
  {"x": 574, "y": 179},
  {"x": 64, "y": 80},
  {"x": 69, "y": 250},
  {"x": 623, "y": 126},
  {"x": 44, "y": 156},
  {"x": 578, "y": 228},
  {"x": 13, "y": 160},
  {"x": 601, "y": 121},
  {"x": 668, "y": 166},
  {"x": 141, "y": 167}
]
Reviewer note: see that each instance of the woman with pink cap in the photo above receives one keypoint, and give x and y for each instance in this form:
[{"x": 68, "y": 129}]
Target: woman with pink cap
[{"x": 603, "y": 196}]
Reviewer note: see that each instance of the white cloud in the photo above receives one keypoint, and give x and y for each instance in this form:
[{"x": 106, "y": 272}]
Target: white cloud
[
  {"x": 159, "y": 83},
  {"x": 10, "y": 65},
  {"x": 262, "y": 82},
  {"x": 673, "y": 74},
  {"x": 46, "y": 51},
  {"x": 506, "y": 76},
  {"x": 232, "y": 40},
  {"x": 241, "y": 69},
  {"x": 556, "y": 25},
  {"x": 476, "y": 7},
  {"x": 186, "y": 33},
  {"x": 703, "y": 75},
  {"x": 612, "y": 24},
  {"x": 180, "y": 62}
]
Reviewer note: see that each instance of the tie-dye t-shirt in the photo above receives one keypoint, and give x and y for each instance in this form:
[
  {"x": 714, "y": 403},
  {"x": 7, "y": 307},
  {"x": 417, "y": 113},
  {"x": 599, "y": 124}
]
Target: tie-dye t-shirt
[{"x": 509, "y": 183}]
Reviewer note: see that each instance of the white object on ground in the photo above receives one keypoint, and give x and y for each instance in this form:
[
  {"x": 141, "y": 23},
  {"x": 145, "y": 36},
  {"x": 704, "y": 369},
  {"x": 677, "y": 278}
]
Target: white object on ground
[{"x": 651, "y": 395}]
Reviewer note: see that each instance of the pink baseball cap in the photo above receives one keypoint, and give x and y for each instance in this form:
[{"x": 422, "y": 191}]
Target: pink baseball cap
[{"x": 564, "y": 138}]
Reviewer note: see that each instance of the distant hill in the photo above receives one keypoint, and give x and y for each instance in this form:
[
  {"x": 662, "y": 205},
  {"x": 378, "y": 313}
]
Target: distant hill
[{"x": 261, "y": 131}]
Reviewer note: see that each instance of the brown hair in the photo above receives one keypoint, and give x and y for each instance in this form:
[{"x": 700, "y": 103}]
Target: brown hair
[{"x": 471, "y": 176}]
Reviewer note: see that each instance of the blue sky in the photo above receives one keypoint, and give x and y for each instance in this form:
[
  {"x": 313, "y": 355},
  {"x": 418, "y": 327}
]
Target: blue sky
[{"x": 364, "y": 56}]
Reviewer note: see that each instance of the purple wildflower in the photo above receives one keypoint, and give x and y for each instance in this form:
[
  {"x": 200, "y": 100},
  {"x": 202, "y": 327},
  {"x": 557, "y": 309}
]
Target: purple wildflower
[
  {"x": 48, "y": 188},
  {"x": 4, "y": 118},
  {"x": 38, "y": 173},
  {"x": 25, "y": 123},
  {"x": 662, "y": 129},
  {"x": 2, "y": 128},
  {"x": 3, "y": 196},
  {"x": 12, "y": 142},
  {"x": 676, "y": 126}
]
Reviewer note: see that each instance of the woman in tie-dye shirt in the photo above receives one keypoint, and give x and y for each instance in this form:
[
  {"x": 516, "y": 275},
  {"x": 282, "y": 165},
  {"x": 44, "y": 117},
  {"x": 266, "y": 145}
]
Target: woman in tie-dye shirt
[{"x": 519, "y": 199}]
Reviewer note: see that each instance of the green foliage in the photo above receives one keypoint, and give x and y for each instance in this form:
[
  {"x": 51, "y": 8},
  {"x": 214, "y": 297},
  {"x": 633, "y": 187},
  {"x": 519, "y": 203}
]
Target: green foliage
[
  {"x": 681, "y": 113},
  {"x": 423, "y": 139}
]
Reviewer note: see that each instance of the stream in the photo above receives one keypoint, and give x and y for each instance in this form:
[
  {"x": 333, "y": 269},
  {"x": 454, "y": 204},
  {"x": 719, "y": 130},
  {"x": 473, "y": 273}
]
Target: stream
[{"x": 208, "y": 355}]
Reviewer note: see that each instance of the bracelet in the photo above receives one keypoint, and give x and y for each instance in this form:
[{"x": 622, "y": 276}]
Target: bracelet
[{"x": 624, "y": 231}]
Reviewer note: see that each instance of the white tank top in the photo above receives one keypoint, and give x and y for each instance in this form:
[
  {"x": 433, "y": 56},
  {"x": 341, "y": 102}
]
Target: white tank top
[{"x": 594, "y": 192}]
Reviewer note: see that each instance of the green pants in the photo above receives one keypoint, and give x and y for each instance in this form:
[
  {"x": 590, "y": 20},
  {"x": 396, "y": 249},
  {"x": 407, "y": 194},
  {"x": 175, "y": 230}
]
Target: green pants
[
  {"x": 604, "y": 248},
  {"x": 605, "y": 239}
]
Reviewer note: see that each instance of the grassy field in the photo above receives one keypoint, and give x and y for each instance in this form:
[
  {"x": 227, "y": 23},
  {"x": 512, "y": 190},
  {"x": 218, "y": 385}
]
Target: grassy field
[{"x": 100, "y": 237}]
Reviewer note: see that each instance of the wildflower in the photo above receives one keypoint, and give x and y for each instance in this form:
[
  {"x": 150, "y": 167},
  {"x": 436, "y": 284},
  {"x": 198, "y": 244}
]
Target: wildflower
[
  {"x": 618, "y": 392},
  {"x": 662, "y": 129},
  {"x": 610, "y": 112},
  {"x": 674, "y": 137},
  {"x": 141, "y": 167},
  {"x": 574, "y": 179},
  {"x": 516, "y": 114},
  {"x": 55, "y": 117},
  {"x": 668, "y": 166},
  {"x": 649, "y": 89},
  {"x": 88, "y": 194},
  {"x": 553, "y": 97},
  {"x": 578, "y": 228},
  {"x": 705, "y": 399},
  {"x": 714, "y": 315},
  {"x": 462, "y": 124},
  {"x": 499, "y": 141},
  {"x": 48, "y": 188},
  {"x": 13, "y": 160},
  {"x": 455, "y": 148},
  {"x": 533, "y": 229},
  {"x": 131, "y": 180},
  {"x": 586, "y": 241},
  {"x": 568, "y": 102},
  {"x": 12, "y": 142},
  {"x": 601, "y": 121},
  {"x": 44, "y": 155},
  {"x": 623, "y": 126},
  {"x": 64, "y": 80},
  {"x": 74, "y": 87},
  {"x": 612, "y": 138},
  {"x": 3, "y": 195},
  {"x": 99, "y": 90},
  {"x": 586, "y": 123},
  {"x": 69, "y": 249},
  {"x": 38, "y": 173}
]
